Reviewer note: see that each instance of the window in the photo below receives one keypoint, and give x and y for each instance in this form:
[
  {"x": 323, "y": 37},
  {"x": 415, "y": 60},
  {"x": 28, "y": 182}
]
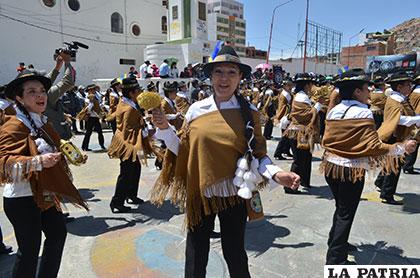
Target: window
[
  {"x": 175, "y": 12},
  {"x": 164, "y": 25},
  {"x": 202, "y": 11},
  {"x": 117, "y": 23},
  {"x": 49, "y": 3},
  {"x": 135, "y": 29},
  {"x": 127, "y": 61},
  {"x": 165, "y": 3},
  {"x": 74, "y": 5}
]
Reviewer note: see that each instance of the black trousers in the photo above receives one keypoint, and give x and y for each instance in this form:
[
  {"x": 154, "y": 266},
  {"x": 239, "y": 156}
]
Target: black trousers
[
  {"x": 73, "y": 125},
  {"x": 388, "y": 183},
  {"x": 268, "y": 129},
  {"x": 113, "y": 126},
  {"x": 232, "y": 229},
  {"x": 302, "y": 163},
  {"x": 1, "y": 240},
  {"x": 322, "y": 117},
  {"x": 410, "y": 159},
  {"x": 347, "y": 197},
  {"x": 28, "y": 222},
  {"x": 127, "y": 182},
  {"x": 379, "y": 119},
  {"x": 283, "y": 147},
  {"x": 93, "y": 123}
]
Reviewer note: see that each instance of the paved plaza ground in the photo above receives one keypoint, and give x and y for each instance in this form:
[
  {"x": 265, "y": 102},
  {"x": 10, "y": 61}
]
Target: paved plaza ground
[{"x": 291, "y": 242}]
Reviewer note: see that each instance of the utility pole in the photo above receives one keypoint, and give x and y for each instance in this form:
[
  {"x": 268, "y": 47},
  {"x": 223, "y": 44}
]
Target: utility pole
[
  {"x": 271, "y": 28},
  {"x": 306, "y": 35}
]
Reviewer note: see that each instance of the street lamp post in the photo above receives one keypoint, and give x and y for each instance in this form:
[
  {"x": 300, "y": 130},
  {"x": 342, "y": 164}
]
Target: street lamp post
[
  {"x": 348, "y": 48},
  {"x": 271, "y": 28}
]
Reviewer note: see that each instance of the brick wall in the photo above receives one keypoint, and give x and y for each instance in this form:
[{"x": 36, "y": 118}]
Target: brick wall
[{"x": 355, "y": 56}]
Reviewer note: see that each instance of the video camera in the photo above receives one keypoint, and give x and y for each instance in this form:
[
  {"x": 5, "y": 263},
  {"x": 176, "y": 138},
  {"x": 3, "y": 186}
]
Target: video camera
[{"x": 71, "y": 49}]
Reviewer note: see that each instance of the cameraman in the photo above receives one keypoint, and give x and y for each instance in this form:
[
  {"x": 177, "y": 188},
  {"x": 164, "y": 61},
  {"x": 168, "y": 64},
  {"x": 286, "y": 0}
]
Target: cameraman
[{"x": 55, "y": 109}]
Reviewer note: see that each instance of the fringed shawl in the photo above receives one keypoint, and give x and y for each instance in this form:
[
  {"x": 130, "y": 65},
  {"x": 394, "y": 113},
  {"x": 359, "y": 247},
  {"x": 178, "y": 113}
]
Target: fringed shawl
[
  {"x": 377, "y": 102},
  {"x": 415, "y": 101},
  {"x": 392, "y": 114},
  {"x": 358, "y": 140},
  {"x": 128, "y": 142},
  {"x": 283, "y": 108},
  {"x": 182, "y": 105},
  {"x": 304, "y": 126},
  {"x": 168, "y": 109},
  {"x": 209, "y": 148},
  {"x": 17, "y": 151}
]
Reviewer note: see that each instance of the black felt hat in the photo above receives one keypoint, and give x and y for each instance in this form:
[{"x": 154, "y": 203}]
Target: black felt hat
[
  {"x": 379, "y": 80},
  {"x": 399, "y": 76},
  {"x": 352, "y": 76},
  {"x": 181, "y": 84},
  {"x": 22, "y": 77},
  {"x": 130, "y": 83},
  {"x": 151, "y": 86},
  {"x": 303, "y": 77},
  {"x": 227, "y": 55},
  {"x": 170, "y": 86},
  {"x": 115, "y": 82},
  {"x": 90, "y": 87}
]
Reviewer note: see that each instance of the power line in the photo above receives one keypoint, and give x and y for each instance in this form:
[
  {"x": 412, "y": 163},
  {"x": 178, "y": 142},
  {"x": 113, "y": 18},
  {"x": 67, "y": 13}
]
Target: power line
[
  {"x": 68, "y": 34},
  {"x": 52, "y": 23}
]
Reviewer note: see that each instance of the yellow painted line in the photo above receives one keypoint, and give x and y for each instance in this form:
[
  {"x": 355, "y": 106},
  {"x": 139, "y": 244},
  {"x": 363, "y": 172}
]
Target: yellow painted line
[{"x": 374, "y": 196}]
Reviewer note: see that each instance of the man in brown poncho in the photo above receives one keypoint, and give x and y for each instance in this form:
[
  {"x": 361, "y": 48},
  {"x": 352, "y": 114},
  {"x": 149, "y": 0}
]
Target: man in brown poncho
[{"x": 399, "y": 123}]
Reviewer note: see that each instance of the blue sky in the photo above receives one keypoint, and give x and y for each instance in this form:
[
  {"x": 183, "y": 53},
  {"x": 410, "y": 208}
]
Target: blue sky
[{"x": 349, "y": 17}]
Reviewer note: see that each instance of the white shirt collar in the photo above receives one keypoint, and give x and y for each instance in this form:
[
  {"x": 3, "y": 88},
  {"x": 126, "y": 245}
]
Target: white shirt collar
[
  {"x": 182, "y": 94},
  {"x": 39, "y": 120},
  {"x": 398, "y": 96},
  {"x": 171, "y": 102},
  {"x": 129, "y": 102},
  {"x": 349, "y": 102},
  {"x": 287, "y": 95},
  {"x": 4, "y": 103}
]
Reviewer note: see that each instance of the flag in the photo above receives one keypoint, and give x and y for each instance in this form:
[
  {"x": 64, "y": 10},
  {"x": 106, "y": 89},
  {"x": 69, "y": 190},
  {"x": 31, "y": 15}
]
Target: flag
[
  {"x": 216, "y": 50},
  {"x": 343, "y": 69}
]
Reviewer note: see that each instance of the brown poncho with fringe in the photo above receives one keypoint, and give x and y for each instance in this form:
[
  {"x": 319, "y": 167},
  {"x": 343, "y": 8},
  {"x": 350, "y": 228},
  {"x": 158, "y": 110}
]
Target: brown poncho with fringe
[
  {"x": 9, "y": 111},
  {"x": 168, "y": 109},
  {"x": 304, "y": 126},
  {"x": 392, "y": 114},
  {"x": 355, "y": 139},
  {"x": 377, "y": 102},
  {"x": 283, "y": 108},
  {"x": 208, "y": 152},
  {"x": 18, "y": 148},
  {"x": 128, "y": 142},
  {"x": 182, "y": 105},
  {"x": 415, "y": 101}
]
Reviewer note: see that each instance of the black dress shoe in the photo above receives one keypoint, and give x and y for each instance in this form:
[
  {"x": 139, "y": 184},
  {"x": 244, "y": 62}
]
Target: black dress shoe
[
  {"x": 86, "y": 149},
  {"x": 103, "y": 147},
  {"x": 288, "y": 154},
  {"x": 306, "y": 185},
  {"x": 392, "y": 201},
  {"x": 351, "y": 247},
  {"x": 411, "y": 172},
  {"x": 291, "y": 191},
  {"x": 119, "y": 208},
  {"x": 135, "y": 201},
  {"x": 6, "y": 250},
  {"x": 280, "y": 157}
]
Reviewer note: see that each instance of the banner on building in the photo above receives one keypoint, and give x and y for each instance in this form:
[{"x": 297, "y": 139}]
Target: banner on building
[{"x": 386, "y": 64}]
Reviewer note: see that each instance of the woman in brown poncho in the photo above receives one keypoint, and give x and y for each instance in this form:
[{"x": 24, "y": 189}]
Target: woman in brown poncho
[
  {"x": 35, "y": 177},
  {"x": 303, "y": 130},
  {"x": 352, "y": 146},
  {"x": 215, "y": 164}
]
